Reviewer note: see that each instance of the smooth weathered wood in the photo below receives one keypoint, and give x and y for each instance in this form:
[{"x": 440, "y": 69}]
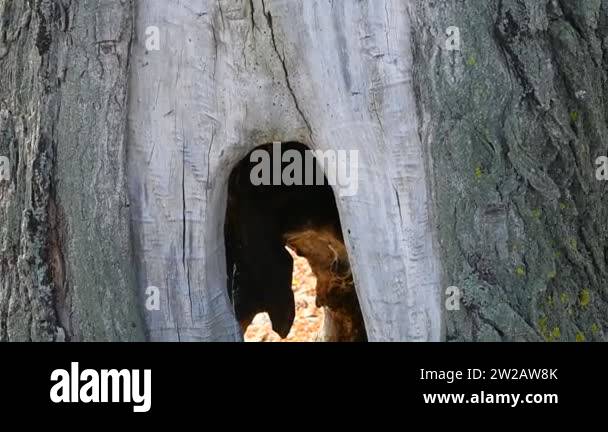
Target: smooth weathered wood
[{"x": 232, "y": 75}]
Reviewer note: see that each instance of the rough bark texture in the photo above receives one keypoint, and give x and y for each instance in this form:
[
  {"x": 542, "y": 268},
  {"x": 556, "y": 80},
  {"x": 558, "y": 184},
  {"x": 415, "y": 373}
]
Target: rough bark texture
[
  {"x": 504, "y": 134},
  {"x": 515, "y": 122},
  {"x": 66, "y": 269}
]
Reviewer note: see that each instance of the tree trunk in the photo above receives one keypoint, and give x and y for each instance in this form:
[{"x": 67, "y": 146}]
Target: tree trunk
[
  {"x": 515, "y": 121},
  {"x": 67, "y": 270},
  {"x": 476, "y": 167},
  {"x": 233, "y": 75}
]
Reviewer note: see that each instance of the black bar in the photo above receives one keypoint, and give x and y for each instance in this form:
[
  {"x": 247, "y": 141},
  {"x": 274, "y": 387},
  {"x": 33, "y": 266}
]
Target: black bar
[{"x": 192, "y": 378}]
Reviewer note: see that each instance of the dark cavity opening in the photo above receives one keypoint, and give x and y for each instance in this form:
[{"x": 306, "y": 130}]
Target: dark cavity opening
[{"x": 261, "y": 220}]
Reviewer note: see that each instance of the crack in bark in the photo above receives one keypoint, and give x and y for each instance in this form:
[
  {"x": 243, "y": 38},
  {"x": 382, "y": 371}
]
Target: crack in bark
[
  {"x": 268, "y": 16},
  {"x": 252, "y": 15},
  {"x": 184, "y": 226}
]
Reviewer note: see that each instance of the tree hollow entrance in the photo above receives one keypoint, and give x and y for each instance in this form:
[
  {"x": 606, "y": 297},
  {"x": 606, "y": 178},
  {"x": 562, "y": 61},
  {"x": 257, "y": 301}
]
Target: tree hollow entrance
[{"x": 265, "y": 213}]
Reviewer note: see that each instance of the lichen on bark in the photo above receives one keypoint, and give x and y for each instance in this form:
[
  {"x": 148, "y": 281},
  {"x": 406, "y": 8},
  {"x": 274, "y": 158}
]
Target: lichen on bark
[
  {"x": 514, "y": 122},
  {"x": 66, "y": 269}
]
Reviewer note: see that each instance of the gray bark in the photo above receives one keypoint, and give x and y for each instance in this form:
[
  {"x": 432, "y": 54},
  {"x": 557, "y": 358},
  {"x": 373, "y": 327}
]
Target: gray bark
[
  {"x": 515, "y": 122},
  {"x": 66, "y": 263},
  {"x": 477, "y": 165},
  {"x": 233, "y": 75}
]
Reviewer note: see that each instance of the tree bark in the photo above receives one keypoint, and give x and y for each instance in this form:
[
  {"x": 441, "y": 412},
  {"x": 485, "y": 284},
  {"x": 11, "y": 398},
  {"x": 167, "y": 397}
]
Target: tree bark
[
  {"x": 66, "y": 271},
  {"x": 233, "y": 75},
  {"x": 515, "y": 121},
  {"x": 477, "y": 166}
]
